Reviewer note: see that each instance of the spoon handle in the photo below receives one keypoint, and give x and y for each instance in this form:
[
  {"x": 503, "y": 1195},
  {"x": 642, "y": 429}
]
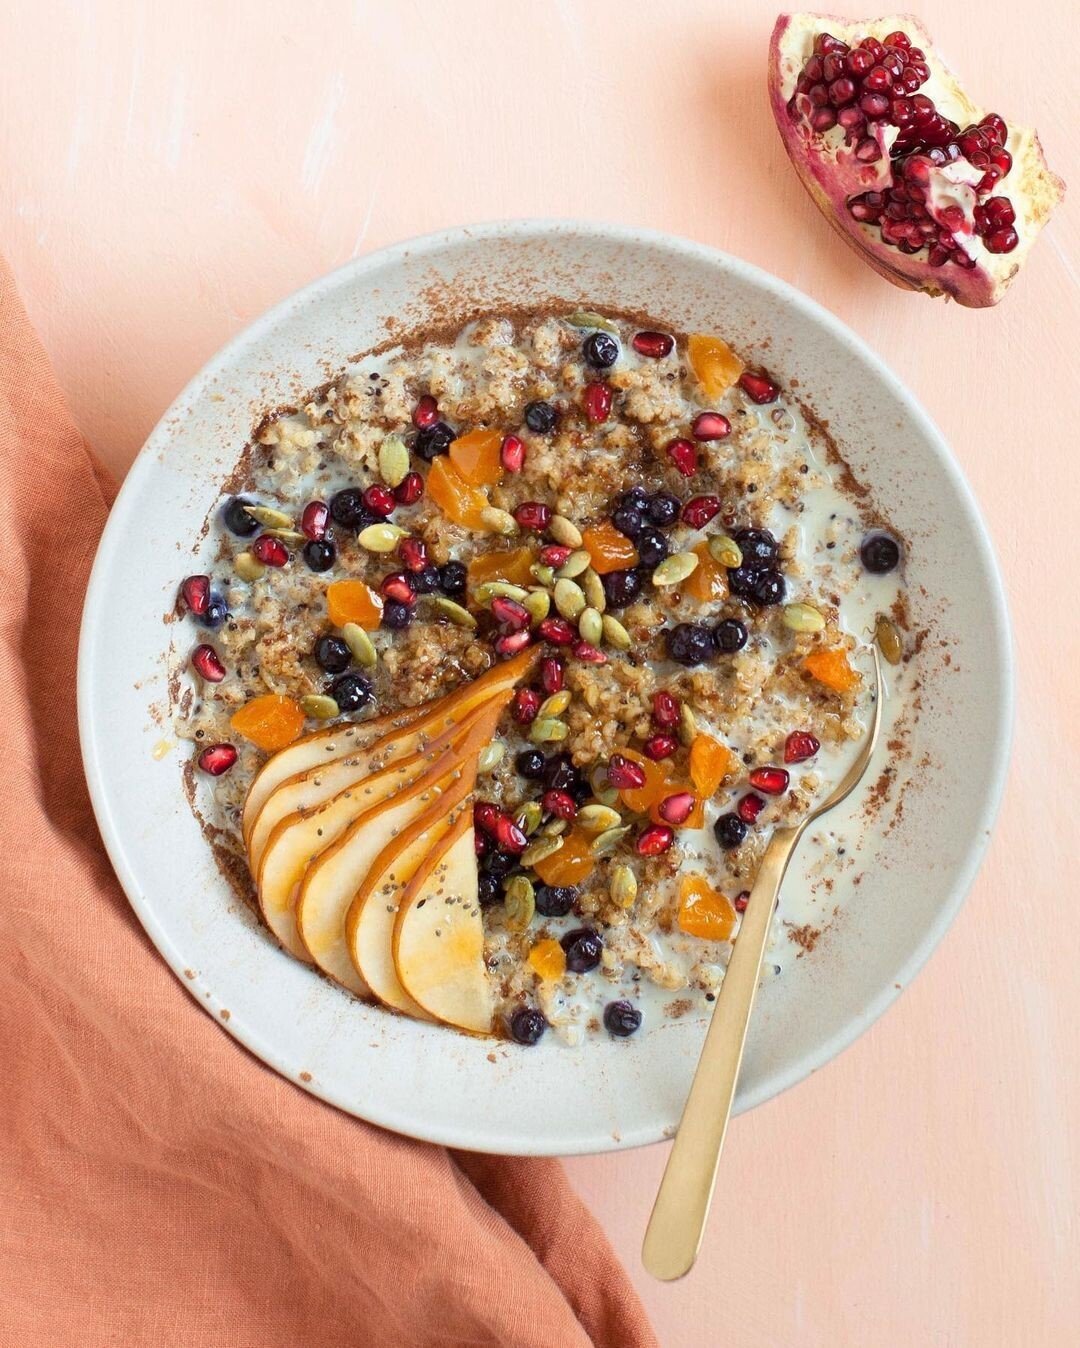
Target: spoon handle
[{"x": 682, "y": 1204}]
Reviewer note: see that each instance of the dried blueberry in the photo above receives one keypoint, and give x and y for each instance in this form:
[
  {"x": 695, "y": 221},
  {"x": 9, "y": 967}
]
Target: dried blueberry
[
  {"x": 319, "y": 554},
  {"x": 396, "y": 615},
  {"x": 527, "y": 1025},
  {"x": 540, "y": 417},
  {"x": 216, "y": 612},
  {"x": 600, "y": 350},
  {"x": 433, "y": 441},
  {"x": 332, "y": 654},
  {"x": 559, "y": 773},
  {"x": 664, "y": 509},
  {"x": 236, "y": 518},
  {"x": 652, "y": 548},
  {"x": 629, "y": 520},
  {"x": 583, "y": 950},
  {"x": 425, "y": 581},
  {"x": 453, "y": 578},
  {"x": 690, "y": 644},
  {"x": 621, "y": 1019},
  {"x": 880, "y": 554},
  {"x": 730, "y": 831},
  {"x": 499, "y": 864},
  {"x": 555, "y": 900},
  {"x": 487, "y": 889},
  {"x": 530, "y": 764},
  {"x": 621, "y": 587},
  {"x": 348, "y": 508},
  {"x": 756, "y": 545},
  {"x": 351, "y": 692},
  {"x": 636, "y": 497},
  {"x": 729, "y": 636},
  {"x": 761, "y": 585}
]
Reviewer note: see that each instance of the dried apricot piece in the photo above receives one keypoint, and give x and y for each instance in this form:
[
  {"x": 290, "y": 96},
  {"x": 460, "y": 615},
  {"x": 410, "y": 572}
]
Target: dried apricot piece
[
  {"x": 641, "y": 799},
  {"x": 832, "y": 668},
  {"x": 476, "y": 457},
  {"x": 703, "y": 911},
  {"x": 456, "y": 498},
  {"x": 715, "y": 364},
  {"x": 571, "y": 864},
  {"x": 708, "y": 583},
  {"x": 270, "y": 722},
  {"x": 710, "y": 763},
  {"x": 351, "y": 601},
  {"x": 512, "y": 566},
  {"x": 609, "y": 549},
  {"x": 548, "y": 959}
]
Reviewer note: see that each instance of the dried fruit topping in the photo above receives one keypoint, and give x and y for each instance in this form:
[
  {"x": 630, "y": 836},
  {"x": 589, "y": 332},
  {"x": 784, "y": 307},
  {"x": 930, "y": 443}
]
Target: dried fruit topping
[
  {"x": 409, "y": 490},
  {"x": 207, "y": 664},
  {"x": 676, "y": 809},
  {"x": 512, "y": 454},
  {"x": 351, "y": 601},
  {"x": 609, "y": 549},
  {"x": 730, "y": 636},
  {"x": 717, "y": 367},
  {"x": 547, "y": 959},
  {"x": 478, "y": 457},
  {"x": 533, "y": 515},
  {"x": 558, "y": 631},
  {"x": 621, "y": 1019},
  {"x": 906, "y": 178},
  {"x": 699, "y": 510},
  {"x": 315, "y": 520},
  {"x": 270, "y": 722},
  {"x": 379, "y": 500},
  {"x": 588, "y": 653},
  {"x": 456, "y": 498},
  {"x": 710, "y": 426},
  {"x": 584, "y": 949},
  {"x": 655, "y": 840},
  {"x": 597, "y": 398},
  {"x": 759, "y": 388},
  {"x": 703, "y": 911},
  {"x": 552, "y": 673},
  {"x": 665, "y": 709},
  {"x": 433, "y": 441},
  {"x": 710, "y": 763},
  {"x": 559, "y": 803},
  {"x": 527, "y": 1026},
  {"x": 236, "y": 519},
  {"x": 601, "y": 350},
  {"x": 659, "y": 746},
  {"x": 880, "y": 554},
  {"x": 512, "y": 567},
  {"x": 683, "y": 455},
  {"x": 270, "y": 551},
  {"x": 749, "y": 807},
  {"x": 772, "y": 781},
  {"x": 195, "y": 592},
  {"x": 832, "y": 668},
  {"x": 425, "y": 413},
  {"x": 799, "y": 746},
  {"x": 540, "y": 417},
  {"x": 730, "y": 831},
  {"x": 398, "y": 587},
  {"x": 690, "y": 644},
  {"x": 570, "y": 865},
  {"x": 708, "y": 582},
  {"x": 352, "y": 692},
  {"x": 655, "y": 345},
  {"x": 216, "y": 759},
  {"x": 624, "y": 774}
]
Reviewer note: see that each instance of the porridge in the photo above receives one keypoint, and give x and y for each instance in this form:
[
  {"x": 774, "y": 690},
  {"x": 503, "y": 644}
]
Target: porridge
[{"x": 518, "y": 644}]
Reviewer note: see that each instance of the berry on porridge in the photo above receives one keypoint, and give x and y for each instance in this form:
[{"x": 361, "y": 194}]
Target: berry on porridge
[{"x": 503, "y": 649}]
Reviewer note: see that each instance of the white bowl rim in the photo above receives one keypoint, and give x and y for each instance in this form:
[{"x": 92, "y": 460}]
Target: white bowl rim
[{"x": 998, "y": 652}]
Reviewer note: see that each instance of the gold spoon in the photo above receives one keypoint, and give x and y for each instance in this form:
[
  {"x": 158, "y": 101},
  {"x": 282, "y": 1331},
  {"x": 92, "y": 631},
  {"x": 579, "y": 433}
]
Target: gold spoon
[{"x": 677, "y": 1224}]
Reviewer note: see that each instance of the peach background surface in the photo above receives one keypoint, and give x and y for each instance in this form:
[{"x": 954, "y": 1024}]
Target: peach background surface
[{"x": 168, "y": 171}]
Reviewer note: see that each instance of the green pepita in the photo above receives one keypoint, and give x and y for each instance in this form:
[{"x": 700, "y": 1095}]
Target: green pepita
[
  {"x": 544, "y": 574},
  {"x": 565, "y": 532},
  {"x": 675, "y": 569},
  {"x": 553, "y": 828},
  {"x": 725, "y": 550},
  {"x": 490, "y": 756},
  {"x": 687, "y": 725},
  {"x": 540, "y": 850},
  {"x": 583, "y": 318},
  {"x": 248, "y": 567},
  {"x": 393, "y": 461},
  {"x": 453, "y": 612},
  {"x": 556, "y": 704},
  {"x": 529, "y": 817},
  {"x": 380, "y": 537},
  {"x": 519, "y": 903},
  {"x": 268, "y": 517},
  {"x": 319, "y": 705},
  {"x": 569, "y": 598},
  {"x": 888, "y": 639},
  {"x": 598, "y": 818},
  {"x": 803, "y": 618},
  {"x": 593, "y": 587},
  {"x": 498, "y": 589},
  {"x": 360, "y": 644},
  {"x": 609, "y": 841},
  {"x": 574, "y": 566},
  {"x": 615, "y": 634},
  {"x": 623, "y": 886},
  {"x": 498, "y": 521},
  {"x": 602, "y": 789},
  {"x": 537, "y": 604},
  {"x": 548, "y": 730},
  {"x": 292, "y": 538},
  {"x": 591, "y": 626}
]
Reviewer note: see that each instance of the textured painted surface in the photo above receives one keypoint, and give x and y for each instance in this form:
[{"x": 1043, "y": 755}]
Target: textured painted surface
[{"x": 168, "y": 172}]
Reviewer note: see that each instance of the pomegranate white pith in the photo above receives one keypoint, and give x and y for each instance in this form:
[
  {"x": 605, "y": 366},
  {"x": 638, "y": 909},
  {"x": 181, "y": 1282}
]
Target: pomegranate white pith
[{"x": 937, "y": 194}]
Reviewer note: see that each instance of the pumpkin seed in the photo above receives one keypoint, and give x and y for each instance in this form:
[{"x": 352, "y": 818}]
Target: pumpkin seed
[
  {"x": 548, "y": 730},
  {"x": 687, "y": 725},
  {"x": 583, "y": 318},
  {"x": 888, "y": 640},
  {"x": 268, "y": 517},
  {"x": 540, "y": 850},
  {"x": 537, "y": 604},
  {"x": 248, "y": 566},
  {"x": 360, "y": 644},
  {"x": 490, "y": 756},
  {"x": 553, "y": 828},
  {"x": 564, "y": 531},
  {"x": 380, "y": 537},
  {"x": 319, "y": 705},
  {"x": 292, "y": 538},
  {"x": 594, "y": 590},
  {"x": 529, "y": 817},
  {"x": 675, "y": 569},
  {"x": 574, "y": 565},
  {"x": 591, "y": 626},
  {"x": 544, "y": 574},
  {"x": 623, "y": 886},
  {"x": 602, "y": 789},
  {"x": 498, "y": 521},
  {"x": 803, "y": 618},
  {"x": 615, "y": 634},
  {"x": 725, "y": 550},
  {"x": 393, "y": 461},
  {"x": 609, "y": 841},
  {"x": 569, "y": 598},
  {"x": 519, "y": 903},
  {"x": 598, "y": 818},
  {"x": 556, "y": 704},
  {"x": 498, "y": 589},
  {"x": 458, "y": 615}
]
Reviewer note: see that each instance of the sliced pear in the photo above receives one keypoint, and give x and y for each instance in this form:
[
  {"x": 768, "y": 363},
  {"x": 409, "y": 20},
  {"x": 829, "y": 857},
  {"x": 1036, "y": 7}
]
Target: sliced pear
[
  {"x": 333, "y": 877},
  {"x": 369, "y": 924},
  {"x": 439, "y": 935}
]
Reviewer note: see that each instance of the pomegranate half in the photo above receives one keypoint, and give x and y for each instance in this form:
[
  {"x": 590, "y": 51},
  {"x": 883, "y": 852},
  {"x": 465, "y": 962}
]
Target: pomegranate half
[{"x": 933, "y": 192}]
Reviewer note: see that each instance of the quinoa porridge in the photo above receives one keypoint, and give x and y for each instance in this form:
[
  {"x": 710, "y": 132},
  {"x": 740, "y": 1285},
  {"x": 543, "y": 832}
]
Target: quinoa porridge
[{"x": 518, "y": 643}]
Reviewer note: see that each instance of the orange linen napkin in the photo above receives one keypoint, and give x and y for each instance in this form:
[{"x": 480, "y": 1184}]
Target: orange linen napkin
[{"x": 159, "y": 1186}]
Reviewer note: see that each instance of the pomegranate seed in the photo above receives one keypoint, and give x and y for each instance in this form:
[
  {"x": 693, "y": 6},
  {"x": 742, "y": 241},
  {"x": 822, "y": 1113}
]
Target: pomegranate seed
[
  {"x": 409, "y": 490},
  {"x": 799, "y": 746},
  {"x": 749, "y": 807},
  {"x": 655, "y": 840},
  {"x": 557, "y": 630},
  {"x": 533, "y": 515},
  {"x": 683, "y": 455},
  {"x": 677, "y": 809},
  {"x": 512, "y": 643},
  {"x": 588, "y": 654},
  {"x": 665, "y": 710},
  {"x": 551, "y": 675},
  {"x": 207, "y": 664},
  {"x": 510, "y": 613},
  {"x": 823, "y": 119},
  {"x": 486, "y": 815},
  {"x": 1001, "y": 240},
  {"x": 554, "y": 554},
  {"x": 995, "y": 127},
  {"x": 314, "y": 520},
  {"x": 413, "y": 553},
  {"x": 560, "y": 804},
  {"x": 657, "y": 747},
  {"x": 841, "y": 91},
  {"x": 741, "y": 900},
  {"x": 195, "y": 592},
  {"x": 398, "y": 586},
  {"x": 653, "y": 344},
  {"x": 217, "y": 759},
  {"x": 425, "y": 413},
  {"x": 758, "y": 388},
  {"x": 832, "y": 67},
  {"x": 512, "y": 454},
  {"x": 481, "y": 843},
  {"x": 379, "y": 500},
  {"x": 509, "y": 837},
  {"x": 868, "y": 151},
  {"x": 874, "y": 105},
  {"x": 624, "y": 774},
  {"x": 597, "y": 399},
  {"x": 524, "y": 706},
  {"x": 711, "y": 426},
  {"x": 700, "y": 510},
  {"x": 773, "y": 781},
  {"x": 270, "y": 551}
]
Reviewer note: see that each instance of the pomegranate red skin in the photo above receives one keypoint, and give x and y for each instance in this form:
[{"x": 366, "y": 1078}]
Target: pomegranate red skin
[{"x": 831, "y": 180}]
